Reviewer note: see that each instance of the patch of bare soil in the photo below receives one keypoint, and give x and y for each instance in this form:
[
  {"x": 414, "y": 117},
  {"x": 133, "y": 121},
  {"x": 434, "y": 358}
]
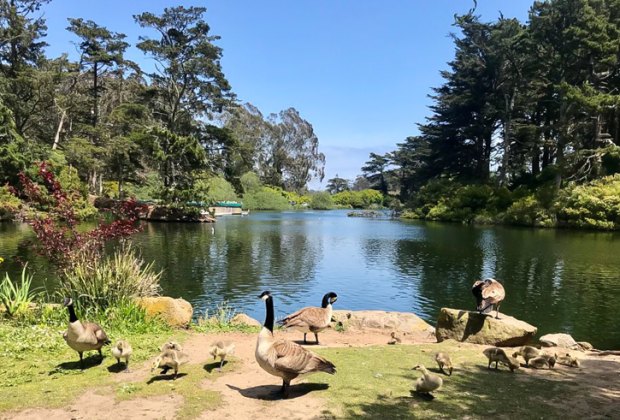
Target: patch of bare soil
[{"x": 250, "y": 392}]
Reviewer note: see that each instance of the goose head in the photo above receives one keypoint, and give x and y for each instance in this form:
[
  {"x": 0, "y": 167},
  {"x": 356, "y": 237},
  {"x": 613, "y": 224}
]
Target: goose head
[
  {"x": 68, "y": 302},
  {"x": 265, "y": 295}
]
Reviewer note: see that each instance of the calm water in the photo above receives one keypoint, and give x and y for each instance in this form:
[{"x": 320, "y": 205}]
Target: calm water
[{"x": 560, "y": 281}]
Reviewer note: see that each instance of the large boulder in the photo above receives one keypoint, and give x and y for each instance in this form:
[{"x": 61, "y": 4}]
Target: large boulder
[
  {"x": 243, "y": 319},
  {"x": 175, "y": 312},
  {"x": 472, "y": 327},
  {"x": 405, "y": 322}
]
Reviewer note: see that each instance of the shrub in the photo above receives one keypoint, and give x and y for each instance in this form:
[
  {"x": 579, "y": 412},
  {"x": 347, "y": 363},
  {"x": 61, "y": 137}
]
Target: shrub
[
  {"x": 9, "y": 204},
  {"x": 16, "y": 298},
  {"x": 102, "y": 283},
  {"x": 593, "y": 205},
  {"x": 250, "y": 182},
  {"x": 214, "y": 189},
  {"x": 358, "y": 199},
  {"x": 321, "y": 201},
  {"x": 268, "y": 198},
  {"x": 527, "y": 211}
]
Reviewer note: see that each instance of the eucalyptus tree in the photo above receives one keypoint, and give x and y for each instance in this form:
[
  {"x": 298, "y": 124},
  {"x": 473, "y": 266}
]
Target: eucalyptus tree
[
  {"x": 296, "y": 158},
  {"x": 190, "y": 87}
]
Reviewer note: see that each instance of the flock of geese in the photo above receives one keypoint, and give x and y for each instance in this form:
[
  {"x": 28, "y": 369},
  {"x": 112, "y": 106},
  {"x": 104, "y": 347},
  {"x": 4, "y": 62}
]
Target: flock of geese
[{"x": 288, "y": 360}]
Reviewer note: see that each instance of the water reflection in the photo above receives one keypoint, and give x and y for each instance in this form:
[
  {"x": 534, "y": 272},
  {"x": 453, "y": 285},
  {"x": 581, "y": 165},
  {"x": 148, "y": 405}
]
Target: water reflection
[{"x": 558, "y": 280}]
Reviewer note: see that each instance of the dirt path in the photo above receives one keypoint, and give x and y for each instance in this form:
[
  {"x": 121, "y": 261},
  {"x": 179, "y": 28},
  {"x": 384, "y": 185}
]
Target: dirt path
[{"x": 249, "y": 392}]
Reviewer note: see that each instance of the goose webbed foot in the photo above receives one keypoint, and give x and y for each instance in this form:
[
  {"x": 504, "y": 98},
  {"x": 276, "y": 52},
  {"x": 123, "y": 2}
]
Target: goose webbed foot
[{"x": 316, "y": 336}]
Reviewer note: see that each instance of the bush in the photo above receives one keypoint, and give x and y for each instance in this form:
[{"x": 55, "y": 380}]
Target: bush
[
  {"x": 593, "y": 205},
  {"x": 16, "y": 298},
  {"x": 527, "y": 211},
  {"x": 102, "y": 283},
  {"x": 267, "y": 198},
  {"x": 214, "y": 189},
  {"x": 250, "y": 182},
  {"x": 321, "y": 201},
  {"x": 9, "y": 204},
  {"x": 358, "y": 199}
]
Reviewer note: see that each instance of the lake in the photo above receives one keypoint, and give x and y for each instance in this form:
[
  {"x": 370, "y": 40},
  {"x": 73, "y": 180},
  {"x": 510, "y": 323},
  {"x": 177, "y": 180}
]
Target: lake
[{"x": 559, "y": 280}]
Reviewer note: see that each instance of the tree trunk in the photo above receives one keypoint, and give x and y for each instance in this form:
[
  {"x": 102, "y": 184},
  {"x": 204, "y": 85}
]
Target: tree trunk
[{"x": 63, "y": 115}]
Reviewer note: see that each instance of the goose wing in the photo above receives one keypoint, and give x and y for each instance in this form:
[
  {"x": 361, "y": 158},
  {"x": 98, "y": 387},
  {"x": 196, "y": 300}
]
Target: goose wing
[
  {"x": 293, "y": 358},
  {"x": 493, "y": 292},
  {"x": 99, "y": 336},
  {"x": 309, "y": 316}
]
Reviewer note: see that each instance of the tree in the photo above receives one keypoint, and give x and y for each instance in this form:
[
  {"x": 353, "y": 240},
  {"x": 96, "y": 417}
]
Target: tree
[
  {"x": 100, "y": 49},
  {"x": 295, "y": 151},
  {"x": 189, "y": 79},
  {"x": 374, "y": 171},
  {"x": 337, "y": 184},
  {"x": 21, "y": 50}
]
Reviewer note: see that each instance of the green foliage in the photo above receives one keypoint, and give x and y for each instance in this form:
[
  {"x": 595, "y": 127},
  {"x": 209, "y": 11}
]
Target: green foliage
[
  {"x": 363, "y": 199},
  {"x": 9, "y": 204},
  {"x": 267, "y": 198},
  {"x": 101, "y": 283},
  {"x": 321, "y": 201},
  {"x": 16, "y": 297},
  {"x": 594, "y": 205},
  {"x": 219, "y": 320},
  {"x": 250, "y": 182},
  {"x": 527, "y": 211},
  {"x": 212, "y": 189}
]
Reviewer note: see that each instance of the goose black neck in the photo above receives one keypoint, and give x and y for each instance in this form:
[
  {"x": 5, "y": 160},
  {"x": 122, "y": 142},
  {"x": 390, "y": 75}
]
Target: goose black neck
[
  {"x": 269, "y": 318},
  {"x": 325, "y": 301},
  {"x": 72, "y": 316}
]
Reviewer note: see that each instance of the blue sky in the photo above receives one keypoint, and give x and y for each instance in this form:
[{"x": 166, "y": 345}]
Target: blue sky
[{"x": 358, "y": 70}]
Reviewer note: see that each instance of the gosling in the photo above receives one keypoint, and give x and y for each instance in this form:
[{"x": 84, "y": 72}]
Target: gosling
[
  {"x": 222, "y": 349},
  {"x": 568, "y": 360},
  {"x": 170, "y": 359},
  {"x": 171, "y": 345},
  {"x": 122, "y": 350},
  {"x": 443, "y": 361},
  {"x": 527, "y": 352},
  {"x": 395, "y": 338},
  {"x": 542, "y": 361},
  {"x": 428, "y": 383},
  {"x": 495, "y": 354}
]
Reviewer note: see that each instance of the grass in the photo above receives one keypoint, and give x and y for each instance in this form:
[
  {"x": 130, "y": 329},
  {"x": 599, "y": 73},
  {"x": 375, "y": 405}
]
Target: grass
[
  {"x": 220, "y": 320},
  {"x": 376, "y": 382},
  {"x": 40, "y": 370}
]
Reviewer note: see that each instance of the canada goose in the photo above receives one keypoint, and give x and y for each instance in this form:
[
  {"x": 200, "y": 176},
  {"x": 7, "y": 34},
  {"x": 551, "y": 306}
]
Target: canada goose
[
  {"x": 311, "y": 318},
  {"x": 527, "y": 352},
  {"x": 395, "y": 338},
  {"x": 284, "y": 358},
  {"x": 489, "y": 294},
  {"x": 495, "y": 354},
  {"x": 122, "y": 350},
  {"x": 83, "y": 336},
  {"x": 443, "y": 361},
  {"x": 568, "y": 360},
  {"x": 222, "y": 349},
  {"x": 427, "y": 383},
  {"x": 170, "y": 359}
]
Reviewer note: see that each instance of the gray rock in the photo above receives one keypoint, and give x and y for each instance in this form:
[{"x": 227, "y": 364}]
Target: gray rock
[
  {"x": 559, "y": 340},
  {"x": 405, "y": 322},
  {"x": 243, "y": 319},
  {"x": 472, "y": 327}
]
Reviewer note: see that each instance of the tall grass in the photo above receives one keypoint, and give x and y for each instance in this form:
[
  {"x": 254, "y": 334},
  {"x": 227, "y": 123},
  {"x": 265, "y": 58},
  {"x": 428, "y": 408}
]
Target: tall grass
[
  {"x": 104, "y": 282},
  {"x": 16, "y": 297}
]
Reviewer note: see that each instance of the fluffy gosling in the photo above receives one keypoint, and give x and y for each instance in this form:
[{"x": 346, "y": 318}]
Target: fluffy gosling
[
  {"x": 443, "y": 361},
  {"x": 122, "y": 350},
  {"x": 497, "y": 355},
  {"x": 428, "y": 383},
  {"x": 222, "y": 349},
  {"x": 395, "y": 338}
]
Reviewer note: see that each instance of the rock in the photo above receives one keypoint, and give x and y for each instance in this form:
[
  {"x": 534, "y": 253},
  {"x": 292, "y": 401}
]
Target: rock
[
  {"x": 404, "y": 322},
  {"x": 559, "y": 340},
  {"x": 175, "y": 312},
  {"x": 243, "y": 319},
  {"x": 472, "y": 327}
]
